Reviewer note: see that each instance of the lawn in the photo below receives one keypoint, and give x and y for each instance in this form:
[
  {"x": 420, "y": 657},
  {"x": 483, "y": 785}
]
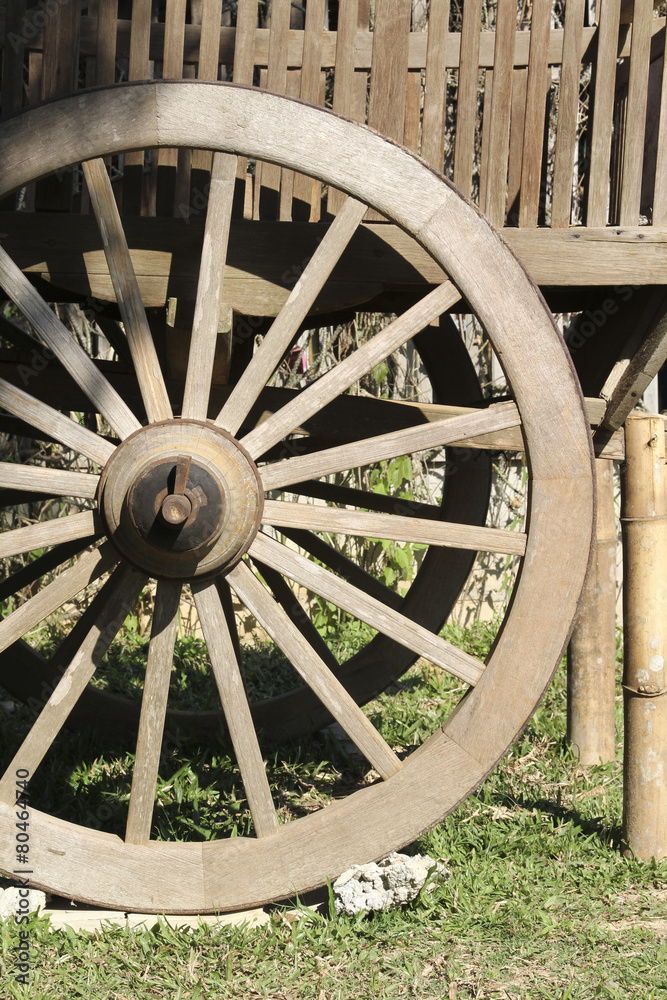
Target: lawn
[{"x": 539, "y": 902}]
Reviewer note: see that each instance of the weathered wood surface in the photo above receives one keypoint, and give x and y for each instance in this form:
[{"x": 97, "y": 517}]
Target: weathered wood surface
[
  {"x": 235, "y": 706},
  {"x": 363, "y": 46},
  {"x": 281, "y": 514},
  {"x": 54, "y": 482},
  {"x": 391, "y": 59},
  {"x": 568, "y": 115},
  {"x": 59, "y": 529},
  {"x": 128, "y": 294},
  {"x": 242, "y": 871},
  {"x": 165, "y": 255}
]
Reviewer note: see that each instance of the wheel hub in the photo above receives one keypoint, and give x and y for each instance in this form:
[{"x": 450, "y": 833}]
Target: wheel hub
[{"x": 180, "y": 499}]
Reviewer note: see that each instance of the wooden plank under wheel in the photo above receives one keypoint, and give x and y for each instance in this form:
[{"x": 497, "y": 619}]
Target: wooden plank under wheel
[{"x": 174, "y": 461}]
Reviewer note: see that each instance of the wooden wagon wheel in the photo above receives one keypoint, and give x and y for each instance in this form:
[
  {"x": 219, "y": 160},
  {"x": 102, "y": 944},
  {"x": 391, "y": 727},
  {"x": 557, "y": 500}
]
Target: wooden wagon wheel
[{"x": 164, "y": 469}]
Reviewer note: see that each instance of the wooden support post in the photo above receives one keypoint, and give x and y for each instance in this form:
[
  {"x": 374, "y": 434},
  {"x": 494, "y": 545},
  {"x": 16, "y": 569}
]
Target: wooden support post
[
  {"x": 591, "y": 658},
  {"x": 644, "y": 518}
]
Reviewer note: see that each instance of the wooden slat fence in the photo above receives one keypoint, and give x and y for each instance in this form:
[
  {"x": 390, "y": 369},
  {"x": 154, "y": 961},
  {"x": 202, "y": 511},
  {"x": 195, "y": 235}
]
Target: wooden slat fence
[{"x": 520, "y": 116}]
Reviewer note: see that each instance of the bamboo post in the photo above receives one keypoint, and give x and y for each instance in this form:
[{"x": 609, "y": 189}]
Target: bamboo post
[
  {"x": 591, "y": 655},
  {"x": 644, "y": 519}
]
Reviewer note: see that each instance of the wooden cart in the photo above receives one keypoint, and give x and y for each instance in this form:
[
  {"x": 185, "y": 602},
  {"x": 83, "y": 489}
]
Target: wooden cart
[{"x": 191, "y": 447}]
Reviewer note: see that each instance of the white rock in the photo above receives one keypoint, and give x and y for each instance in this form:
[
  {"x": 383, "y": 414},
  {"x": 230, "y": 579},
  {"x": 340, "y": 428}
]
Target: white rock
[
  {"x": 385, "y": 884},
  {"x": 13, "y": 904}
]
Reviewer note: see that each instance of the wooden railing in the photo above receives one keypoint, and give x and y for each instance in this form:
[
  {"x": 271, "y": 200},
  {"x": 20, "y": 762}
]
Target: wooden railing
[{"x": 542, "y": 127}]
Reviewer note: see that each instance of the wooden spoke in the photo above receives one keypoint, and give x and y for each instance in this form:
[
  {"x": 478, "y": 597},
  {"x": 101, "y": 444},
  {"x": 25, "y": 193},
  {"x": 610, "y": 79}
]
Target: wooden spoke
[
  {"x": 366, "y": 608},
  {"x": 282, "y": 330},
  {"x": 386, "y": 446},
  {"x": 209, "y": 288},
  {"x": 281, "y": 514},
  {"x": 128, "y": 296},
  {"x": 122, "y": 592},
  {"x": 153, "y": 711},
  {"x": 55, "y": 424},
  {"x": 87, "y": 524},
  {"x": 38, "y": 568},
  {"x": 343, "y": 566},
  {"x": 340, "y": 378},
  {"x": 314, "y": 670},
  {"x": 383, "y": 503},
  {"x": 235, "y": 706},
  {"x": 71, "y": 355},
  {"x": 53, "y": 482},
  {"x": 62, "y": 589}
]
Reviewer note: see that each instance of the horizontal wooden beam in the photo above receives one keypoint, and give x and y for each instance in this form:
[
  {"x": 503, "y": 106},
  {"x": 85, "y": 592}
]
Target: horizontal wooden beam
[
  {"x": 363, "y": 45},
  {"x": 266, "y": 258},
  {"x": 347, "y": 418}
]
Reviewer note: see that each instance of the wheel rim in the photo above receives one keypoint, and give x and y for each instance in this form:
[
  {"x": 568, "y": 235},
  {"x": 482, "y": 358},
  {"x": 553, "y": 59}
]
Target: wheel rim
[{"x": 301, "y": 854}]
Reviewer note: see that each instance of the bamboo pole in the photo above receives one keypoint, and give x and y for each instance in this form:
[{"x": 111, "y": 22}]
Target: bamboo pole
[
  {"x": 645, "y": 626},
  {"x": 591, "y": 655}
]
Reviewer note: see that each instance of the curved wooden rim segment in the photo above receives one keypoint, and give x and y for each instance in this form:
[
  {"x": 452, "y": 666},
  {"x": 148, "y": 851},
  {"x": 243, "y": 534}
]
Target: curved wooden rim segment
[{"x": 244, "y": 872}]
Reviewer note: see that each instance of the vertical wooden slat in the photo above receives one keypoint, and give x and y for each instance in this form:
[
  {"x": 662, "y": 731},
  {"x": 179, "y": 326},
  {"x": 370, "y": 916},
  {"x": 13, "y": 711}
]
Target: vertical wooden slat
[
  {"x": 412, "y": 110},
  {"x": 519, "y": 88},
  {"x": 244, "y": 42},
  {"x": 344, "y": 71},
  {"x": 107, "y": 16},
  {"x": 60, "y": 72},
  {"x": 13, "y": 55},
  {"x": 267, "y": 176},
  {"x": 12, "y": 59},
  {"x": 660, "y": 187},
  {"x": 361, "y": 76},
  {"x": 435, "y": 85},
  {"x": 389, "y": 71},
  {"x": 466, "y": 107},
  {"x": 344, "y": 77},
  {"x": 34, "y": 93},
  {"x": 307, "y": 192},
  {"x": 60, "y": 69},
  {"x": 90, "y": 62},
  {"x": 140, "y": 36},
  {"x": 389, "y": 67},
  {"x": 172, "y": 69},
  {"x": 243, "y": 72},
  {"x": 568, "y": 114},
  {"x": 536, "y": 100},
  {"x": 633, "y": 140},
  {"x": 603, "y": 108},
  {"x": 209, "y": 55},
  {"x": 501, "y": 95},
  {"x": 292, "y": 89}
]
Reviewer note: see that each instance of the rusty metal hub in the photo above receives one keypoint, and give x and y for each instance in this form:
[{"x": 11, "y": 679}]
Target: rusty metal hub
[{"x": 181, "y": 499}]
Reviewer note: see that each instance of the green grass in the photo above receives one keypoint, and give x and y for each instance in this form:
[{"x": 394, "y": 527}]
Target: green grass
[{"x": 539, "y": 903}]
